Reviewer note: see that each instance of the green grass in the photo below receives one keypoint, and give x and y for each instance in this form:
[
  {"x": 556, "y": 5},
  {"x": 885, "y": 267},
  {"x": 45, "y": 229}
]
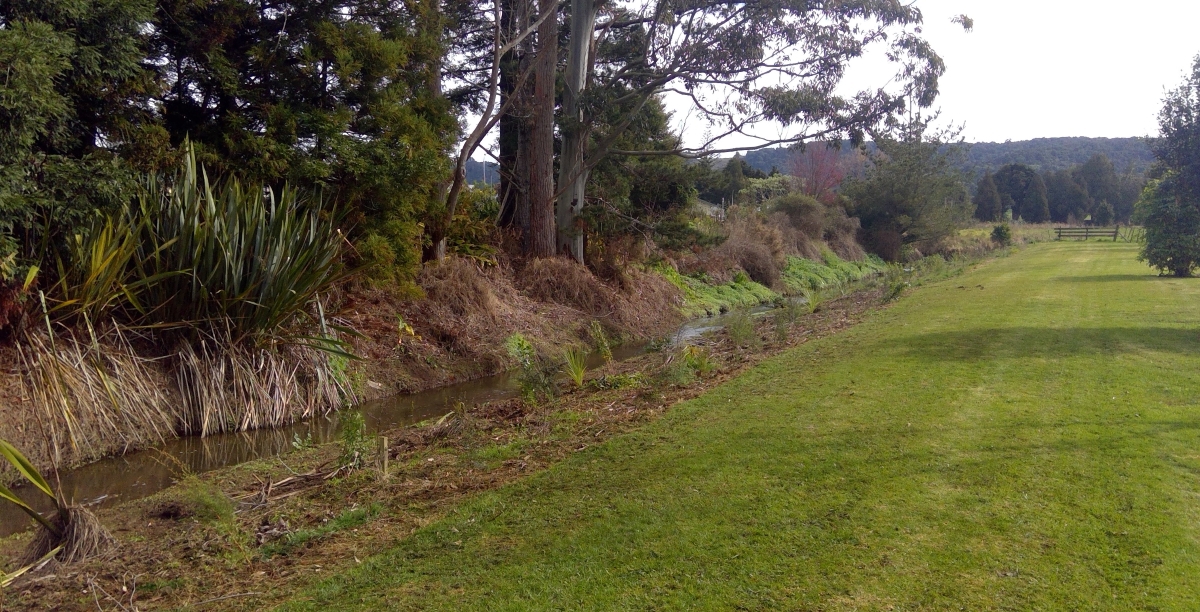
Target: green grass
[
  {"x": 1024, "y": 436},
  {"x": 702, "y": 298}
]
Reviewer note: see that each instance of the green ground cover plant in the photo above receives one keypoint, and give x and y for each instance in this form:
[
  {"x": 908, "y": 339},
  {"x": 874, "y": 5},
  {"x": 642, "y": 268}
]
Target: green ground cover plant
[{"x": 1022, "y": 436}]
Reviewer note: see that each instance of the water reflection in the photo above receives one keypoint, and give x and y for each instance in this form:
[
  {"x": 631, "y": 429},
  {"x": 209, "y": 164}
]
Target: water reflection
[{"x": 143, "y": 473}]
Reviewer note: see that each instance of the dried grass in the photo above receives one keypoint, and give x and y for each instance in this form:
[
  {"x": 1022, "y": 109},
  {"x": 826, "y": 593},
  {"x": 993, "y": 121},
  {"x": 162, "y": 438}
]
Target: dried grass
[
  {"x": 569, "y": 283},
  {"x": 91, "y": 398},
  {"x": 459, "y": 285},
  {"x": 229, "y": 387},
  {"x": 80, "y": 534}
]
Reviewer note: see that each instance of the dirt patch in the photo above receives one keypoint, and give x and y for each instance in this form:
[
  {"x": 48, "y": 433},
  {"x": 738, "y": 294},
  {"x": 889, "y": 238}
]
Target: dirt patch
[{"x": 330, "y": 523}]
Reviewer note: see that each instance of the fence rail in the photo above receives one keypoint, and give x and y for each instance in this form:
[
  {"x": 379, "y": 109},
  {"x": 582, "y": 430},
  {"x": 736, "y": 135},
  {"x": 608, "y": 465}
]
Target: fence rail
[{"x": 1084, "y": 233}]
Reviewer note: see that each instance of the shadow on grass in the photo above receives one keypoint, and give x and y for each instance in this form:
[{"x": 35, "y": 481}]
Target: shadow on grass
[
  {"x": 1048, "y": 342},
  {"x": 1111, "y": 278}
]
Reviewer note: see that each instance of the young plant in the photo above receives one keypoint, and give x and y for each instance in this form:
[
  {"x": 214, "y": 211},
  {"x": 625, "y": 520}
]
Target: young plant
[
  {"x": 354, "y": 441},
  {"x": 782, "y": 327},
  {"x": 742, "y": 332},
  {"x": 699, "y": 359},
  {"x": 600, "y": 339},
  {"x": 576, "y": 365},
  {"x": 812, "y": 300}
]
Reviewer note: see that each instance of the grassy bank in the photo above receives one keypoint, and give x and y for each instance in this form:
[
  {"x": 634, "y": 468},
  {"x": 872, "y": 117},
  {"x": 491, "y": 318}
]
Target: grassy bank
[{"x": 1019, "y": 437}]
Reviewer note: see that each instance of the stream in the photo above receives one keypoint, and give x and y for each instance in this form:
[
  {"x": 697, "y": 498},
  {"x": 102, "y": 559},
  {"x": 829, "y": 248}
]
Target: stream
[{"x": 145, "y": 472}]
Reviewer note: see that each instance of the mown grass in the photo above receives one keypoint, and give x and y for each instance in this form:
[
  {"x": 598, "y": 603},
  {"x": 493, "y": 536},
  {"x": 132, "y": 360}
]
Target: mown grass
[{"x": 1023, "y": 436}]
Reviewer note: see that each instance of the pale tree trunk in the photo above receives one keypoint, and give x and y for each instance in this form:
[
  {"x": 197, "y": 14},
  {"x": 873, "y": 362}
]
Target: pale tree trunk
[
  {"x": 572, "y": 173},
  {"x": 436, "y": 249},
  {"x": 540, "y": 239}
]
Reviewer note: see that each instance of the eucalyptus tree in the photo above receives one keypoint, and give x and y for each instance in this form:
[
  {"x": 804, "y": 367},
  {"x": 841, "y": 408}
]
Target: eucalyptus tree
[{"x": 736, "y": 65}]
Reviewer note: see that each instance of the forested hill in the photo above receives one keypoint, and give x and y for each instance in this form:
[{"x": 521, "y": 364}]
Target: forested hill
[{"x": 1044, "y": 154}]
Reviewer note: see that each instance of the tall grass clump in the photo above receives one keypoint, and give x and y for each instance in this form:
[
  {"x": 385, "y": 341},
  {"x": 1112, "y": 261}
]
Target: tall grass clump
[
  {"x": 71, "y": 534},
  {"x": 225, "y": 277},
  {"x": 236, "y": 256},
  {"x": 575, "y": 365}
]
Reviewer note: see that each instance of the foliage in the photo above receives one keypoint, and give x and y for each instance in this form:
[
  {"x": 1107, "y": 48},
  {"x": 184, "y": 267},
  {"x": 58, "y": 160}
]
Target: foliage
[
  {"x": 741, "y": 329},
  {"x": 353, "y": 443},
  {"x": 699, "y": 359},
  {"x": 1104, "y": 214},
  {"x": 704, "y": 298},
  {"x": 805, "y": 276},
  {"x": 197, "y": 254},
  {"x": 988, "y": 206},
  {"x": 30, "y": 474},
  {"x": 1172, "y": 228},
  {"x": 535, "y": 377},
  {"x": 1002, "y": 234},
  {"x": 912, "y": 193},
  {"x": 1170, "y": 207},
  {"x": 520, "y": 348},
  {"x": 600, "y": 341},
  {"x": 575, "y": 364},
  {"x": 1023, "y": 191},
  {"x": 75, "y": 87},
  {"x": 472, "y": 232},
  {"x": 323, "y": 102}
]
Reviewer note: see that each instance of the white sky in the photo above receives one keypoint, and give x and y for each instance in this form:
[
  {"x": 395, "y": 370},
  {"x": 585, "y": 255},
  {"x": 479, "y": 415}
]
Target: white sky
[
  {"x": 1044, "y": 68},
  {"x": 1041, "y": 68}
]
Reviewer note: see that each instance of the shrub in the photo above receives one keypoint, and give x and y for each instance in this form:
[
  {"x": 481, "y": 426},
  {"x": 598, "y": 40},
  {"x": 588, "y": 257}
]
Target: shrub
[
  {"x": 600, "y": 341},
  {"x": 1172, "y": 228},
  {"x": 699, "y": 359},
  {"x": 353, "y": 441},
  {"x": 535, "y": 378},
  {"x": 200, "y": 254},
  {"x": 1002, "y": 234}
]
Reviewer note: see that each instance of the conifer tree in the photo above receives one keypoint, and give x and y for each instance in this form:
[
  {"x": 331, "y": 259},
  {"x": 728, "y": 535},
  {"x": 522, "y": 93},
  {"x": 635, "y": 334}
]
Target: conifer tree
[{"x": 987, "y": 200}]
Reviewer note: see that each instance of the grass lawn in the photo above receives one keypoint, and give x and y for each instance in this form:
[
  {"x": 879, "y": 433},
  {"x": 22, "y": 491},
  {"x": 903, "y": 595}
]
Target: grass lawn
[{"x": 1024, "y": 436}]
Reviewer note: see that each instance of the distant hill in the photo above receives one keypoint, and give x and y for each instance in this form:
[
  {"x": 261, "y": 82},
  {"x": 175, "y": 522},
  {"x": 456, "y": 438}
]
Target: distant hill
[
  {"x": 1044, "y": 154},
  {"x": 482, "y": 172}
]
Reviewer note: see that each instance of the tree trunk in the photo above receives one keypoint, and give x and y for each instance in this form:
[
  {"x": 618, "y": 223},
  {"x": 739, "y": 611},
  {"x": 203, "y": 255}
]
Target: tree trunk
[
  {"x": 514, "y": 124},
  {"x": 540, "y": 240},
  {"x": 572, "y": 175}
]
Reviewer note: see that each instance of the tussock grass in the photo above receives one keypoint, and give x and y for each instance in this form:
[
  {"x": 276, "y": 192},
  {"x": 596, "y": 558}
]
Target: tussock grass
[{"x": 575, "y": 364}]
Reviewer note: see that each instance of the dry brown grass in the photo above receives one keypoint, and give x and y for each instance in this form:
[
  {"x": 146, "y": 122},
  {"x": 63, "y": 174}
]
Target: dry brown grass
[
  {"x": 459, "y": 285},
  {"x": 80, "y": 534},
  {"x": 563, "y": 281},
  {"x": 91, "y": 398},
  {"x": 230, "y": 387}
]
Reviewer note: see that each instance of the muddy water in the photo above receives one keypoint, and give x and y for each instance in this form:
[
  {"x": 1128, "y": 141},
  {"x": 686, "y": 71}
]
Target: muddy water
[{"x": 143, "y": 473}]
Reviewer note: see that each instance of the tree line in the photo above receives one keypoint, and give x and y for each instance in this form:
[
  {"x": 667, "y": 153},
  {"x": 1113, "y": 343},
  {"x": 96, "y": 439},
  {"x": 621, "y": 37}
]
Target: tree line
[
  {"x": 1092, "y": 191},
  {"x": 377, "y": 106}
]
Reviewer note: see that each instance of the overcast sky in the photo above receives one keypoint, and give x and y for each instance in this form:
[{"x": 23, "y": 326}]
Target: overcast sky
[{"x": 1043, "y": 68}]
